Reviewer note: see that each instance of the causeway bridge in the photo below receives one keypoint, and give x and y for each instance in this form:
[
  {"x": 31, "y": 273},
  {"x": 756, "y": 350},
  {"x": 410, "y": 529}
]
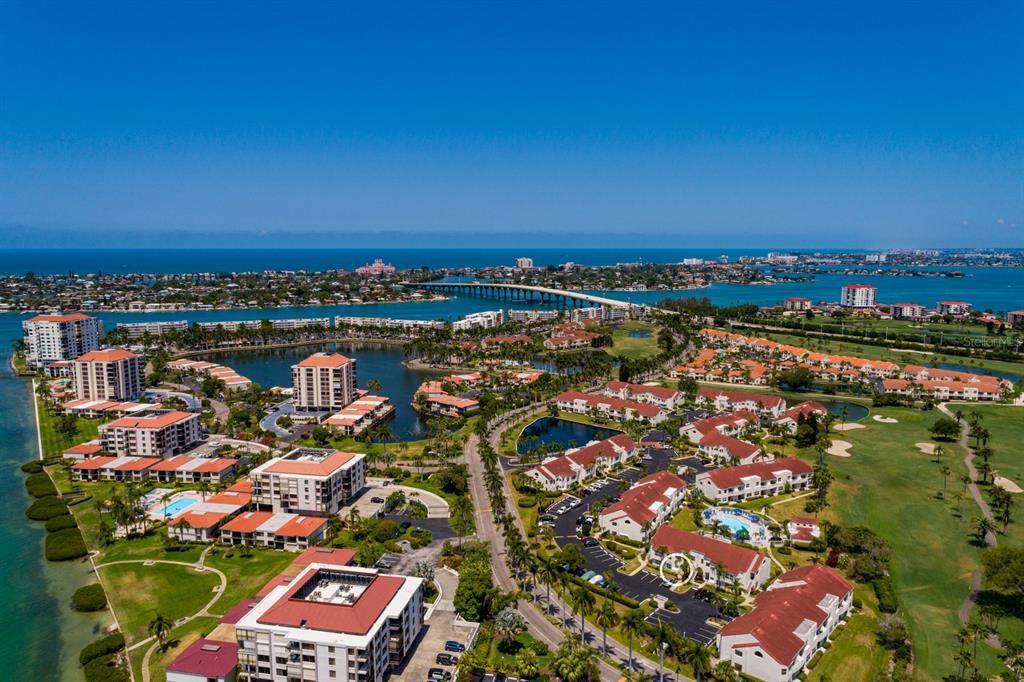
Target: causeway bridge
[{"x": 522, "y": 293}]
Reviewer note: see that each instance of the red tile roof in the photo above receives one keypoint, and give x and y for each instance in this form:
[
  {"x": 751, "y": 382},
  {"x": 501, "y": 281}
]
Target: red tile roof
[
  {"x": 93, "y": 463},
  {"x": 659, "y": 392},
  {"x": 730, "y": 477},
  {"x": 779, "y": 611},
  {"x": 768, "y": 401},
  {"x": 109, "y": 355},
  {"x": 356, "y": 618},
  {"x": 206, "y": 658},
  {"x": 157, "y": 422},
  {"x": 325, "y": 467},
  {"x": 636, "y": 502},
  {"x": 247, "y": 522},
  {"x": 327, "y": 360},
  {"x": 302, "y": 526},
  {"x": 736, "y": 560},
  {"x": 731, "y": 420},
  {"x": 804, "y": 408},
  {"x": 66, "y": 317},
  {"x": 199, "y": 519},
  {"x": 618, "y": 404},
  {"x": 325, "y": 555},
  {"x": 740, "y": 449},
  {"x": 238, "y": 611}
]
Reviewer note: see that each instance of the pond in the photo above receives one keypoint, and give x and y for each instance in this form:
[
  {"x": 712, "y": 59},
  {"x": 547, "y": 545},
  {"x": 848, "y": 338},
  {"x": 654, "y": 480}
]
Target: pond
[
  {"x": 383, "y": 362},
  {"x": 975, "y": 370},
  {"x": 639, "y": 333},
  {"x": 854, "y": 411},
  {"x": 563, "y": 433}
]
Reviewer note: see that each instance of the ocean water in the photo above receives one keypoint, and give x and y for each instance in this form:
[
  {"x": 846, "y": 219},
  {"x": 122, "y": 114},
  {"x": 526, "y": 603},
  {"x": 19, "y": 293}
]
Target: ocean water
[{"x": 40, "y": 636}]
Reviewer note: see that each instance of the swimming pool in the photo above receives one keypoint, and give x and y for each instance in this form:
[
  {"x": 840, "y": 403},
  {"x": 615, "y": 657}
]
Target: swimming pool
[
  {"x": 741, "y": 524},
  {"x": 735, "y": 524},
  {"x": 176, "y": 507}
]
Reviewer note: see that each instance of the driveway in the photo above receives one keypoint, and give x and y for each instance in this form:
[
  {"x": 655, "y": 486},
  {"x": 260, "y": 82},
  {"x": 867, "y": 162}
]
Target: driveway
[
  {"x": 191, "y": 402},
  {"x": 269, "y": 421}
]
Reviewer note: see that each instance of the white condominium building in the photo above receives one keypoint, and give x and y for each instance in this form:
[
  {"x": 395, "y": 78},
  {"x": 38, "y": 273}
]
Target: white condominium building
[
  {"x": 135, "y": 330},
  {"x": 151, "y": 433},
  {"x": 49, "y": 338},
  {"x": 482, "y": 320},
  {"x": 309, "y": 481},
  {"x": 112, "y": 374},
  {"x": 331, "y": 623},
  {"x": 857, "y": 296},
  {"x": 324, "y": 381}
]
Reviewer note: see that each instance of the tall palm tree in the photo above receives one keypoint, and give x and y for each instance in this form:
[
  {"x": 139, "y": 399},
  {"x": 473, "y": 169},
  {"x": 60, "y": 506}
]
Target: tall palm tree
[
  {"x": 606, "y": 617},
  {"x": 549, "y": 573},
  {"x": 583, "y": 600},
  {"x": 633, "y": 625},
  {"x": 700, "y": 659}
]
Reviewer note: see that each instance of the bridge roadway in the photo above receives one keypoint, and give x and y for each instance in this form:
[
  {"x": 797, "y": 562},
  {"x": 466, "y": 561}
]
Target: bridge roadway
[{"x": 521, "y": 292}]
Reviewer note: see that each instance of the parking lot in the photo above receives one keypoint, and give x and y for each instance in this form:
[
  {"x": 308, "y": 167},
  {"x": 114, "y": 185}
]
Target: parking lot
[{"x": 439, "y": 628}]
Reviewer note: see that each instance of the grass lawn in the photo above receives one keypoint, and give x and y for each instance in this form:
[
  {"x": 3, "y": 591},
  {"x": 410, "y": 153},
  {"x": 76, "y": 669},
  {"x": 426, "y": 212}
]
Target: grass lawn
[
  {"x": 889, "y": 486},
  {"x": 246, "y": 575},
  {"x": 139, "y": 592},
  {"x": 634, "y": 347},
  {"x": 501, "y": 657},
  {"x": 855, "y": 654},
  {"x": 54, "y": 444},
  {"x": 180, "y": 639}
]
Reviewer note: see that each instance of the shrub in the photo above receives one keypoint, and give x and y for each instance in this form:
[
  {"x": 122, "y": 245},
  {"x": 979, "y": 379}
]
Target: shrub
[
  {"x": 40, "y": 485},
  {"x": 45, "y": 508},
  {"x": 858, "y": 603},
  {"x": 527, "y": 502},
  {"x": 104, "y": 669},
  {"x": 61, "y": 522},
  {"x": 79, "y": 500},
  {"x": 33, "y": 467},
  {"x": 64, "y": 545},
  {"x": 886, "y": 594},
  {"x": 89, "y": 598},
  {"x": 101, "y": 647},
  {"x": 785, "y": 551}
]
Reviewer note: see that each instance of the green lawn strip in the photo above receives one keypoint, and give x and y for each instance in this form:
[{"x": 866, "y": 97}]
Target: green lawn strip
[
  {"x": 139, "y": 592},
  {"x": 889, "y": 486},
  {"x": 855, "y": 654},
  {"x": 179, "y": 640},
  {"x": 246, "y": 575},
  {"x": 54, "y": 444},
  {"x": 633, "y": 347}
]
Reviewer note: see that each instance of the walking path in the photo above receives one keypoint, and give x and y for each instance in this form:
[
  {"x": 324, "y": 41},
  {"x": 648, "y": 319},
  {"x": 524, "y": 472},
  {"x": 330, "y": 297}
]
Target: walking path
[
  {"x": 199, "y": 565},
  {"x": 964, "y": 614},
  {"x": 487, "y": 529}
]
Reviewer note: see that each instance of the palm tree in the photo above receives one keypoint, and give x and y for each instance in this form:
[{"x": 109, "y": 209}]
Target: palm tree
[
  {"x": 606, "y": 617},
  {"x": 633, "y": 625},
  {"x": 983, "y": 527},
  {"x": 160, "y": 627},
  {"x": 583, "y": 601},
  {"x": 662, "y": 639},
  {"x": 700, "y": 659},
  {"x": 549, "y": 573},
  {"x": 203, "y": 488},
  {"x": 946, "y": 471}
]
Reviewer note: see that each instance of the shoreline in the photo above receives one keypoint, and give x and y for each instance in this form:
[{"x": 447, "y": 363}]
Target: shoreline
[
  {"x": 125, "y": 311},
  {"x": 276, "y": 346}
]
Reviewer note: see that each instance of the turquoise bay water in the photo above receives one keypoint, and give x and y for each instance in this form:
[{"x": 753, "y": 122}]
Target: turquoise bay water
[{"x": 40, "y": 636}]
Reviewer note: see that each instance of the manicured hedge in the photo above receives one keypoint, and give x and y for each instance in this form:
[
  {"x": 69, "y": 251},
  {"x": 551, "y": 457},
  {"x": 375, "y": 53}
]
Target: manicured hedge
[
  {"x": 103, "y": 669},
  {"x": 65, "y": 545},
  {"x": 89, "y": 598},
  {"x": 61, "y": 522},
  {"x": 40, "y": 485},
  {"x": 79, "y": 500},
  {"x": 33, "y": 467},
  {"x": 45, "y": 508},
  {"x": 886, "y": 593},
  {"x": 110, "y": 644},
  {"x": 527, "y": 502}
]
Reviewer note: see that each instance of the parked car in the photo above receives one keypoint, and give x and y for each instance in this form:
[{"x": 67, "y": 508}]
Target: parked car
[
  {"x": 405, "y": 525},
  {"x": 377, "y": 499},
  {"x": 438, "y": 674},
  {"x": 452, "y": 645},
  {"x": 446, "y": 659},
  {"x": 590, "y": 542}
]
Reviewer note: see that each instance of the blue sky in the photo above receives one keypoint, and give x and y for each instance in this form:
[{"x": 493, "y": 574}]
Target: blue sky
[{"x": 772, "y": 124}]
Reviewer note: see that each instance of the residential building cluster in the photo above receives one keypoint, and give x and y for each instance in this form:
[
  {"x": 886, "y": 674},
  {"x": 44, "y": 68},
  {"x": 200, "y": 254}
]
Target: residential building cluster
[
  {"x": 580, "y": 464},
  {"x": 447, "y": 396},
  {"x": 719, "y": 561},
  {"x": 728, "y": 485},
  {"x": 610, "y": 407},
  {"x": 151, "y": 433},
  {"x": 276, "y": 325},
  {"x": 360, "y": 414},
  {"x": 50, "y": 338},
  {"x": 646, "y": 505},
  {"x": 110, "y": 374},
  {"x": 945, "y": 384},
  {"x": 386, "y": 322},
  {"x": 233, "y": 381},
  {"x": 323, "y": 382}
]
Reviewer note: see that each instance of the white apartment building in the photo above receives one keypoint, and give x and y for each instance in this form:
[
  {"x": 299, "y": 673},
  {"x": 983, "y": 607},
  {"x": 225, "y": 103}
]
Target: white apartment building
[
  {"x": 524, "y": 263},
  {"x": 953, "y": 308},
  {"x": 386, "y": 322},
  {"x": 331, "y": 623},
  {"x": 314, "y": 481},
  {"x": 857, "y": 296},
  {"x": 482, "y": 320},
  {"x": 906, "y": 311},
  {"x": 531, "y": 316},
  {"x": 324, "y": 381},
  {"x": 760, "y": 479},
  {"x": 151, "y": 433},
  {"x": 644, "y": 507},
  {"x": 49, "y": 338},
  {"x": 788, "y": 625},
  {"x": 718, "y": 561},
  {"x": 136, "y": 330},
  {"x": 291, "y": 323},
  {"x": 112, "y": 374}
]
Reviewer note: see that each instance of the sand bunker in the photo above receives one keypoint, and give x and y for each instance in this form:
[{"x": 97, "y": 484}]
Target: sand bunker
[
  {"x": 848, "y": 426},
  {"x": 926, "y": 448},
  {"x": 885, "y": 420},
  {"x": 840, "y": 448},
  {"x": 1007, "y": 485}
]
